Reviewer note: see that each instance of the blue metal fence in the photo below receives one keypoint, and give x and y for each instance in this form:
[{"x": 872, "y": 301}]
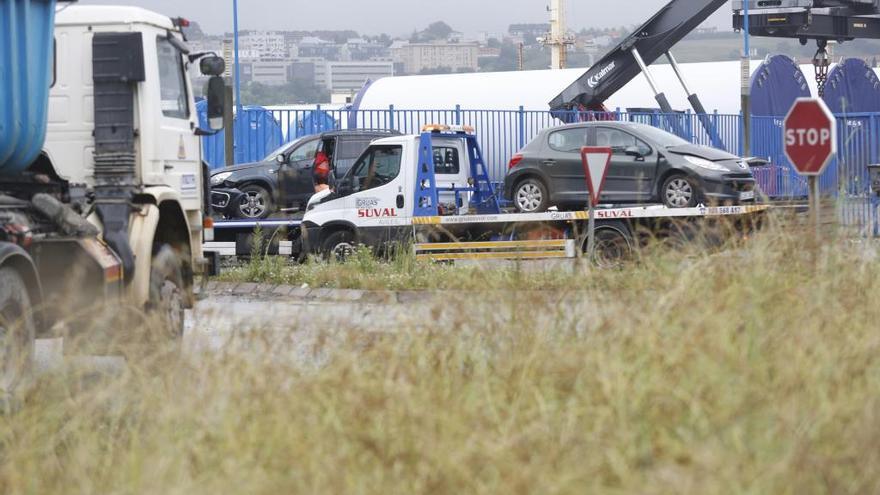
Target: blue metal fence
[{"x": 502, "y": 132}]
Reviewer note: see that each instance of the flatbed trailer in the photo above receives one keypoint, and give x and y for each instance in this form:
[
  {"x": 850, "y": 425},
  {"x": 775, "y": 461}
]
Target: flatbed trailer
[
  {"x": 406, "y": 207},
  {"x": 626, "y": 227}
]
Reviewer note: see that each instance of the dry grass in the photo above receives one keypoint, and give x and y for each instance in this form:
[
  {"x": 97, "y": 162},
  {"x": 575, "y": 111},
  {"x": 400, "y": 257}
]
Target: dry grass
[{"x": 754, "y": 370}]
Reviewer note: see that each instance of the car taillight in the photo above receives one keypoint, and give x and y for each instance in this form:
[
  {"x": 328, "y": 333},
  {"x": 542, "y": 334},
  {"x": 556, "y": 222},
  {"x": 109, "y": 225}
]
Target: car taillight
[{"x": 515, "y": 161}]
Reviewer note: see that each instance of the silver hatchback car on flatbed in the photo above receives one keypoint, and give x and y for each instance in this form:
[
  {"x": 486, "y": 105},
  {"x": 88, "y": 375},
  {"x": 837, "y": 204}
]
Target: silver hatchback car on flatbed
[{"x": 648, "y": 165}]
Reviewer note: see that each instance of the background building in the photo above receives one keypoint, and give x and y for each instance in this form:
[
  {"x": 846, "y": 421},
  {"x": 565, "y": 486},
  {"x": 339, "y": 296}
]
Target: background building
[
  {"x": 349, "y": 77},
  {"x": 420, "y": 57},
  {"x": 271, "y": 73}
]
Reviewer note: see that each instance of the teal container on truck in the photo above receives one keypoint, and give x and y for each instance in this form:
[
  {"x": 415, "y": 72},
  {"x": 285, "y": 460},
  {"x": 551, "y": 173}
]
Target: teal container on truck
[{"x": 25, "y": 77}]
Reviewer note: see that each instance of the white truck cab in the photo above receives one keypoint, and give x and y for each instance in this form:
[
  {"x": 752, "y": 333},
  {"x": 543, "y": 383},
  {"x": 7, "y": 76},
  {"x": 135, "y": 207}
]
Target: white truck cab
[
  {"x": 123, "y": 123},
  {"x": 377, "y": 195}
]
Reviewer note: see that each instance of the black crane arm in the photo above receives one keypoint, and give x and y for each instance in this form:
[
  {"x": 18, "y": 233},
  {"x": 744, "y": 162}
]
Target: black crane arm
[
  {"x": 641, "y": 48},
  {"x": 804, "y": 20}
]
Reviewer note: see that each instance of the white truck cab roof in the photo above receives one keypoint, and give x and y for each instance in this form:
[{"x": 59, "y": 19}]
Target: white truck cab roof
[
  {"x": 394, "y": 140},
  {"x": 75, "y": 15}
]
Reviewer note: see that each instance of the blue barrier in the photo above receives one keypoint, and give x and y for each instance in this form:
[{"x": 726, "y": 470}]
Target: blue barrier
[{"x": 501, "y": 133}]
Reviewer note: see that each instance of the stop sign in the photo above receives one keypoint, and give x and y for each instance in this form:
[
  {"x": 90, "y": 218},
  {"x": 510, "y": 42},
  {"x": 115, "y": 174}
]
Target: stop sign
[{"x": 810, "y": 135}]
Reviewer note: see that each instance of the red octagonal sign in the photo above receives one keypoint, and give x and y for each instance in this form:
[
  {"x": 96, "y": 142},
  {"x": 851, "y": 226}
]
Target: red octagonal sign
[{"x": 810, "y": 136}]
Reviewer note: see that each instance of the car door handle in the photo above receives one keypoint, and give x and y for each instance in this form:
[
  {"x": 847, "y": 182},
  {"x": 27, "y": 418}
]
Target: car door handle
[
  {"x": 400, "y": 201},
  {"x": 549, "y": 163}
]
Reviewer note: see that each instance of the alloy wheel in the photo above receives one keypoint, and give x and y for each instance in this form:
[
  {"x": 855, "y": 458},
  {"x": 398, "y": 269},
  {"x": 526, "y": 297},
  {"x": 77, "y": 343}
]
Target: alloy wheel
[
  {"x": 679, "y": 193},
  {"x": 253, "y": 204},
  {"x": 529, "y": 197}
]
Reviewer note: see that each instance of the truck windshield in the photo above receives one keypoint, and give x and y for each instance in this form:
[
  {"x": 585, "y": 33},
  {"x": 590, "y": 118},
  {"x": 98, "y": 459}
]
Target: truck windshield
[
  {"x": 378, "y": 166},
  {"x": 172, "y": 80}
]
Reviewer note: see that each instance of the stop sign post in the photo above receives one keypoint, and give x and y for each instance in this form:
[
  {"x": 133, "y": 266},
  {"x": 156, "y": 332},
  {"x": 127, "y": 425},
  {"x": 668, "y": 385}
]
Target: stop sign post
[{"x": 810, "y": 138}]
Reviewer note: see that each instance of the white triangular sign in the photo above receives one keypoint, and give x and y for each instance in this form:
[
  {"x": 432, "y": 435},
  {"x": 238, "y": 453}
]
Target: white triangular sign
[{"x": 596, "y": 161}]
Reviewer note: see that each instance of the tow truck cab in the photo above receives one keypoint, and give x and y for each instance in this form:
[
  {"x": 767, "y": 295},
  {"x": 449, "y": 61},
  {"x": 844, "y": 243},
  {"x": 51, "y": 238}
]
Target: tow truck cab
[{"x": 374, "y": 202}]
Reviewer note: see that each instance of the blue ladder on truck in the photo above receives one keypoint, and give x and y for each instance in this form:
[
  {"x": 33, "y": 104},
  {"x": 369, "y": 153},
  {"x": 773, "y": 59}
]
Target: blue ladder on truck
[{"x": 427, "y": 195}]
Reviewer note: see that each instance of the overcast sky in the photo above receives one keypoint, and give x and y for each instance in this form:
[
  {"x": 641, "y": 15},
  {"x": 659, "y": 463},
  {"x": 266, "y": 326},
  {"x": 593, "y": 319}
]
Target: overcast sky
[{"x": 401, "y": 17}]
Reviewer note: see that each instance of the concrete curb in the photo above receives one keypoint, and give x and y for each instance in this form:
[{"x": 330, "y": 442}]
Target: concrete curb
[
  {"x": 315, "y": 294},
  {"x": 270, "y": 291}
]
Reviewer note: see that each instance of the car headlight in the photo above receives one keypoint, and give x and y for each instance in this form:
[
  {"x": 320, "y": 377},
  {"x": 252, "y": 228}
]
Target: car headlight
[
  {"x": 703, "y": 163},
  {"x": 218, "y": 179}
]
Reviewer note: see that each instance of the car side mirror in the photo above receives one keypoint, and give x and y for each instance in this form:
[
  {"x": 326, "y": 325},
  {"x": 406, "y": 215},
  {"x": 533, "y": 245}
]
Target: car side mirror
[
  {"x": 216, "y": 102},
  {"x": 281, "y": 159},
  {"x": 634, "y": 151},
  {"x": 344, "y": 187}
]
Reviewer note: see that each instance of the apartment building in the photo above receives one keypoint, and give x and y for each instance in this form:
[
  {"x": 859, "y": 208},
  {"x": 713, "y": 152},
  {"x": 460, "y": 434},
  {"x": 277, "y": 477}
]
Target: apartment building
[{"x": 417, "y": 57}]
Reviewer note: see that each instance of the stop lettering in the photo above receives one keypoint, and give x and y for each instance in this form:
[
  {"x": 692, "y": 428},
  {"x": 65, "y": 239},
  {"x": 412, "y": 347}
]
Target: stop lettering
[{"x": 810, "y": 136}]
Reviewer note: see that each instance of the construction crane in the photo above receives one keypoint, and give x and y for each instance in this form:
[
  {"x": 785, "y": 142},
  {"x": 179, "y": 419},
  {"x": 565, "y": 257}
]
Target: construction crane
[{"x": 557, "y": 39}]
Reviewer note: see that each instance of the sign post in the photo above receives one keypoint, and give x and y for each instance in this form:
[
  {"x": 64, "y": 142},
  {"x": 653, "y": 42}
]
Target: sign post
[
  {"x": 810, "y": 137},
  {"x": 595, "y": 160}
]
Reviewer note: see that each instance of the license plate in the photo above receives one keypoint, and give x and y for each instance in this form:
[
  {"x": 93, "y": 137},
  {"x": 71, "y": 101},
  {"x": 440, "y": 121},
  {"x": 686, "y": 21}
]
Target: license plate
[{"x": 746, "y": 195}]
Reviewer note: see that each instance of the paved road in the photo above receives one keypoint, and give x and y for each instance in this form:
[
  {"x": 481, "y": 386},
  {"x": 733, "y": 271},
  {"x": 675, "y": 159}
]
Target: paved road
[{"x": 305, "y": 331}]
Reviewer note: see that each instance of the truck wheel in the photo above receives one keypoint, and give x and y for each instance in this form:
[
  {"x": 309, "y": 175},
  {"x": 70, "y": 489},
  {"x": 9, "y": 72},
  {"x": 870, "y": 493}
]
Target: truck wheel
[
  {"x": 339, "y": 245},
  {"x": 680, "y": 191},
  {"x": 255, "y": 203},
  {"x": 613, "y": 248},
  {"x": 531, "y": 196},
  {"x": 166, "y": 290},
  {"x": 16, "y": 332}
]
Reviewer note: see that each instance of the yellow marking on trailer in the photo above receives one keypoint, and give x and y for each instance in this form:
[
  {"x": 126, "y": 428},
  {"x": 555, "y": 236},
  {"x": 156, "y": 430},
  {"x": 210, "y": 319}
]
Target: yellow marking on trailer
[
  {"x": 492, "y": 256},
  {"x": 427, "y": 220},
  {"x": 540, "y": 243}
]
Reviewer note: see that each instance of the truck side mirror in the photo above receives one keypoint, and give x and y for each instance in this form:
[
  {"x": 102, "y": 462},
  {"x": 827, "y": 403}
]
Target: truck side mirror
[
  {"x": 212, "y": 65},
  {"x": 216, "y": 95}
]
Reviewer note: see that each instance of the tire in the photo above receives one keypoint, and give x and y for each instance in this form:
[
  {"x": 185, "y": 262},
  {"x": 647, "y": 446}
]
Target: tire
[
  {"x": 680, "y": 191},
  {"x": 17, "y": 333},
  {"x": 167, "y": 291},
  {"x": 531, "y": 196},
  {"x": 255, "y": 204},
  {"x": 613, "y": 248},
  {"x": 339, "y": 245}
]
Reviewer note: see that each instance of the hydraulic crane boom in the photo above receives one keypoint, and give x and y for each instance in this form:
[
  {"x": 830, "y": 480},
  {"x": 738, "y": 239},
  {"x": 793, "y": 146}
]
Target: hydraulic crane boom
[{"x": 645, "y": 45}]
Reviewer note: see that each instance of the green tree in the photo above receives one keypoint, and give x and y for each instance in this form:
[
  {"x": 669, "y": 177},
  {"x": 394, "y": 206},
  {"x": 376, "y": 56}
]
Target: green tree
[
  {"x": 437, "y": 31},
  {"x": 298, "y": 91}
]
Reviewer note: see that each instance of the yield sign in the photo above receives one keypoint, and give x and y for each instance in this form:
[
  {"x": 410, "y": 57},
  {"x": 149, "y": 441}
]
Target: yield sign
[{"x": 595, "y": 160}]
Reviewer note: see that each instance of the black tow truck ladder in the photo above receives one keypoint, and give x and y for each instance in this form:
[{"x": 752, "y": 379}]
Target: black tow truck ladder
[{"x": 644, "y": 46}]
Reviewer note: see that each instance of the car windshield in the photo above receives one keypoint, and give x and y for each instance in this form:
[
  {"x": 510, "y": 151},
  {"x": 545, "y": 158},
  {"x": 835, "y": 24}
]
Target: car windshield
[
  {"x": 658, "y": 136},
  {"x": 281, "y": 150}
]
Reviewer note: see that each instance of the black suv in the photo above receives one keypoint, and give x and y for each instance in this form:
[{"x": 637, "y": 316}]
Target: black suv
[{"x": 283, "y": 180}]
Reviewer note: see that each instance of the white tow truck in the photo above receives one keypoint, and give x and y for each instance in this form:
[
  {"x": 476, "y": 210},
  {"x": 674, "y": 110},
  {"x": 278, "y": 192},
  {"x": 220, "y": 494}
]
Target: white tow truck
[{"x": 401, "y": 191}]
